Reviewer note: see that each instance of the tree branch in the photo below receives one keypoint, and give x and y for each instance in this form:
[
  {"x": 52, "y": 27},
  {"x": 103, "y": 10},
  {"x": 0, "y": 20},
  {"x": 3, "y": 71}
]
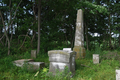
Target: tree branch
[
  {"x": 15, "y": 14},
  {"x": 25, "y": 35},
  {"x": 24, "y": 40},
  {"x": 2, "y": 37},
  {"x": 12, "y": 20},
  {"x": 5, "y": 33},
  {"x": 1, "y": 42}
]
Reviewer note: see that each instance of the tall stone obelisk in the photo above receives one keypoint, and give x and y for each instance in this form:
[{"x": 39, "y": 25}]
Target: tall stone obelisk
[{"x": 79, "y": 36}]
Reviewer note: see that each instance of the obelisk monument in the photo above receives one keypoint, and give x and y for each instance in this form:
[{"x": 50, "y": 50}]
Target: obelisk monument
[{"x": 79, "y": 36}]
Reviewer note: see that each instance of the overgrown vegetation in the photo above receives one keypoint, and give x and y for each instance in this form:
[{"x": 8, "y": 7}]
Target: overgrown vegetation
[
  {"x": 19, "y": 30},
  {"x": 85, "y": 69}
]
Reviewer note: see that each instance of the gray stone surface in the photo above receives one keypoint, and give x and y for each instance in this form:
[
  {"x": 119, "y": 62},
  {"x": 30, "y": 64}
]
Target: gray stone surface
[
  {"x": 67, "y": 49},
  {"x": 37, "y": 65},
  {"x": 20, "y": 62},
  {"x": 79, "y": 36},
  {"x": 33, "y": 53},
  {"x": 59, "y": 59},
  {"x": 117, "y": 74},
  {"x": 95, "y": 58},
  {"x": 29, "y": 64}
]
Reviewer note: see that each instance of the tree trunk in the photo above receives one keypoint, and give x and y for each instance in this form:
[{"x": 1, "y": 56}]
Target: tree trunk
[
  {"x": 6, "y": 34},
  {"x": 11, "y": 28},
  {"x": 34, "y": 33},
  {"x": 0, "y": 30},
  {"x": 119, "y": 40},
  {"x": 86, "y": 31},
  {"x": 110, "y": 45},
  {"x": 38, "y": 45},
  {"x": 72, "y": 38}
]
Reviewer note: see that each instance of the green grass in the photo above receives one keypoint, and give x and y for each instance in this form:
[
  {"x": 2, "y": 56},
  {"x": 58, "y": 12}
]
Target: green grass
[{"x": 85, "y": 69}]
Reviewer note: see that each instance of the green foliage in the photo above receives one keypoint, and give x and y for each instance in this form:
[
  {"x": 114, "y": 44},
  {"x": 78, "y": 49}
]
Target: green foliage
[
  {"x": 57, "y": 32},
  {"x": 100, "y": 71},
  {"x": 85, "y": 70},
  {"x": 27, "y": 55},
  {"x": 89, "y": 54},
  {"x": 111, "y": 56},
  {"x": 98, "y": 50},
  {"x": 43, "y": 57},
  {"x": 7, "y": 61},
  {"x": 65, "y": 75},
  {"x": 58, "y": 22},
  {"x": 95, "y": 7},
  {"x": 3, "y": 50}
]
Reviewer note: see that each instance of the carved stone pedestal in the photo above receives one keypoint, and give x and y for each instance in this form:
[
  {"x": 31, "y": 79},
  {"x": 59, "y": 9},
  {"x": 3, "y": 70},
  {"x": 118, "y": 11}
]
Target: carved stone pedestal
[
  {"x": 59, "y": 59},
  {"x": 80, "y": 51}
]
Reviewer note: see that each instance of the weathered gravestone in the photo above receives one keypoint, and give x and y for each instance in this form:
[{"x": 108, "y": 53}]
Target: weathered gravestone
[
  {"x": 29, "y": 64},
  {"x": 33, "y": 53},
  {"x": 117, "y": 74},
  {"x": 59, "y": 59},
  {"x": 95, "y": 58},
  {"x": 79, "y": 37}
]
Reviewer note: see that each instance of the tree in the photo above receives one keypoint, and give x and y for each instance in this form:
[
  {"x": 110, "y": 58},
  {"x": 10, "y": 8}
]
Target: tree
[
  {"x": 11, "y": 22},
  {"x": 38, "y": 45}
]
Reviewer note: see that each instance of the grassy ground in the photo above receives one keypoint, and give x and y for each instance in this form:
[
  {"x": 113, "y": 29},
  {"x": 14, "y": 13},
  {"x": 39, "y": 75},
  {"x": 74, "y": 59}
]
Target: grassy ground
[{"x": 85, "y": 69}]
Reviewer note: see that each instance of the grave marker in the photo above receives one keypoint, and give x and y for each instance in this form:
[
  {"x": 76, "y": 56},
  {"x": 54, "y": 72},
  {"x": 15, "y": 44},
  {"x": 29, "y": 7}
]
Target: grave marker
[
  {"x": 79, "y": 37},
  {"x": 59, "y": 59},
  {"x": 33, "y": 53},
  {"x": 95, "y": 58},
  {"x": 117, "y": 74}
]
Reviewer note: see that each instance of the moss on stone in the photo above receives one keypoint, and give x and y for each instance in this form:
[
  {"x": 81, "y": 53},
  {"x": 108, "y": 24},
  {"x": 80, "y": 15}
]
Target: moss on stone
[{"x": 60, "y": 52}]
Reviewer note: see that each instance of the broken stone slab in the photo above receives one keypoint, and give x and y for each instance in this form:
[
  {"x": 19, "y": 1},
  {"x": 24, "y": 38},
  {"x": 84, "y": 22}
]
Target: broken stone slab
[
  {"x": 20, "y": 62},
  {"x": 59, "y": 59},
  {"x": 35, "y": 65},
  {"x": 29, "y": 64}
]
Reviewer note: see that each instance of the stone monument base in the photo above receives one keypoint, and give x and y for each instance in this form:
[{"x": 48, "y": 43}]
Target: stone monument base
[
  {"x": 62, "y": 61},
  {"x": 80, "y": 52}
]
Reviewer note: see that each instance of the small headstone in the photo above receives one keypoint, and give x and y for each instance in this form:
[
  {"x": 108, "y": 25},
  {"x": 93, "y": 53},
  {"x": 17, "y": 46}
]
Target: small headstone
[
  {"x": 33, "y": 53},
  {"x": 95, "y": 58},
  {"x": 117, "y": 74},
  {"x": 67, "y": 49},
  {"x": 59, "y": 59}
]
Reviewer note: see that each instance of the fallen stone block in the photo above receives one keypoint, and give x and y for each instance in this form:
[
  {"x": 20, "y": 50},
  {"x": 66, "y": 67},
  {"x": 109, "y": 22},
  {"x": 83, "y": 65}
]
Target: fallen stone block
[
  {"x": 20, "y": 62},
  {"x": 29, "y": 64},
  {"x": 36, "y": 65}
]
